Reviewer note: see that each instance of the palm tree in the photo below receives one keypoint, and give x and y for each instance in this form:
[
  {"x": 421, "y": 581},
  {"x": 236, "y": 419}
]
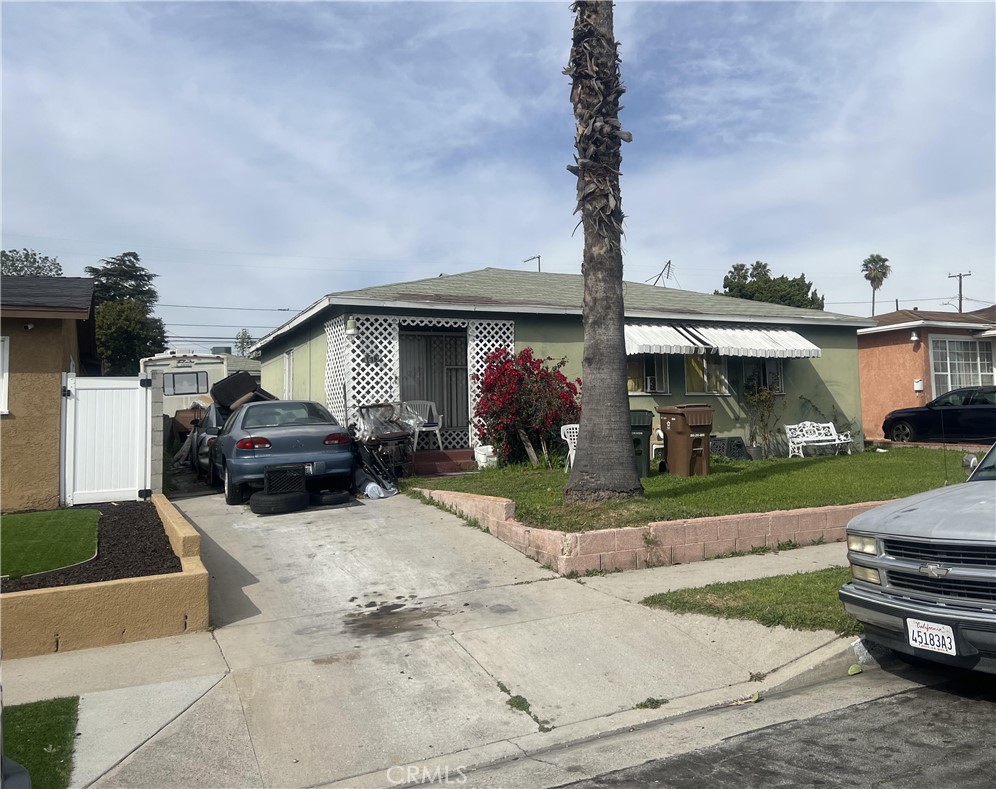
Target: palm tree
[
  {"x": 604, "y": 466},
  {"x": 877, "y": 270}
]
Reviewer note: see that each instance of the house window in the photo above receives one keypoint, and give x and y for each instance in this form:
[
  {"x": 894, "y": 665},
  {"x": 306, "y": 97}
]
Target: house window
[
  {"x": 957, "y": 362},
  {"x": 706, "y": 375},
  {"x": 185, "y": 383},
  {"x": 765, "y": 372},
  {"x": 4, "y": 366},
  {"x": 647, "y": 372}
]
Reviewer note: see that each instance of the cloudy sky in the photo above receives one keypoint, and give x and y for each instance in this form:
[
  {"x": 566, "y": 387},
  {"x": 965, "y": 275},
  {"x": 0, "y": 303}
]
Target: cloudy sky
[{"x": 260, "y": 155}]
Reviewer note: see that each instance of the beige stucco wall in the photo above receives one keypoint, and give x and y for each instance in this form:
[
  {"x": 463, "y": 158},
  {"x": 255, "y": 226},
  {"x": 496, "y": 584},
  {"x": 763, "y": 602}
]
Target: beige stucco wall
[
  {"x": 60, "y": 619},
  {"x": 30, "y": 432}
]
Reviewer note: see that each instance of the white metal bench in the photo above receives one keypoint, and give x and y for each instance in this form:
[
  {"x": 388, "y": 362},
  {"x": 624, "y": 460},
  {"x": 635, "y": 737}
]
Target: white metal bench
[{"x": 816, "y": 434}]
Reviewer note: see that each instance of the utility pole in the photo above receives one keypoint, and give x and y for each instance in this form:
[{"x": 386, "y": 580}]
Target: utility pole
[
  {"x": 960, "y": 278},
  {"x": 537, "y": 259}
]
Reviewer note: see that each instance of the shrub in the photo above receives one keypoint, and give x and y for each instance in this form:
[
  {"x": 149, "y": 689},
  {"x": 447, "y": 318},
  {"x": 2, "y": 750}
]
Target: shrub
[{"x": 524, "y": 401}]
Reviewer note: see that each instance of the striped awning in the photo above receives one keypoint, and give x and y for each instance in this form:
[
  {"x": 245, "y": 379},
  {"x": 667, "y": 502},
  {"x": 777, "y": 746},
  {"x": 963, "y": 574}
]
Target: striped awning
[
  {"x": 649, "y": 338},
  {"x": 757, "y": 342},
  {"x": 723, "y": 340}
]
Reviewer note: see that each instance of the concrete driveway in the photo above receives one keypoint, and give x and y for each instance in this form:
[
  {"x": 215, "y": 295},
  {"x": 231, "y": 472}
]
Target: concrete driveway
[{"x": 368, "y": 637}]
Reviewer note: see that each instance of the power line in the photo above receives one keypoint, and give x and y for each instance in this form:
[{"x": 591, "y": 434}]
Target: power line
[
  {"x": 221, "y": 325},
  {"x": 239, "y": 309}
]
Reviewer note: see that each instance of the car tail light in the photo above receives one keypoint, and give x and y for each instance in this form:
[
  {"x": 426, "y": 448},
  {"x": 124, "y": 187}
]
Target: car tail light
[
  {"x": 256, "y": 442},
  {"x": 337, "y": 438}
]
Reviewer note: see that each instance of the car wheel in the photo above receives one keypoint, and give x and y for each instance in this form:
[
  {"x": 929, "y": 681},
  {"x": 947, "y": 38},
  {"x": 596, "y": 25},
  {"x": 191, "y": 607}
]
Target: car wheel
[
  {"x": 212, "y": 475},
  {"x": 233, "y": 492},
  {"x": 278, "y": 503},
  {"x": 329, "y": 499},
  {"x": 901, "y": 432}
]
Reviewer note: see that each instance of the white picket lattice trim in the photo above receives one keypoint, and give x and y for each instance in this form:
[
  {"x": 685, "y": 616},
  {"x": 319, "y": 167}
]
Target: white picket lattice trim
[
  {"x": 335, "y": 367},
  {"x": 366, "y": 367},
  {"x": 483, "y": 337}
]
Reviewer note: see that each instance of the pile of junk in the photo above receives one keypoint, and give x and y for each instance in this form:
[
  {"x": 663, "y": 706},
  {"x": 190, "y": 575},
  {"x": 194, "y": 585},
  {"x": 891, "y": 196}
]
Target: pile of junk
[{"x": 384, "y": 442}]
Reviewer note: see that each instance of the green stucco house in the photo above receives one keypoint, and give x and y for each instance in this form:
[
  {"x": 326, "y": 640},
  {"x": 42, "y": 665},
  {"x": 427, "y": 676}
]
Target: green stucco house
[{"x": 425, "y": 340}]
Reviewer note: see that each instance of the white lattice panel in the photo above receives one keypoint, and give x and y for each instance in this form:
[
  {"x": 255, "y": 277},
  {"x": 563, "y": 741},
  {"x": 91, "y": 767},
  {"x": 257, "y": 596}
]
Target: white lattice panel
[
  {"x": 446, "y": 323},
  {"x": 453, "y": 438},
  {"x": 335, "y": 367},
  {"x": 483, "y": 337},
  {"x": 373, "y": 362}
]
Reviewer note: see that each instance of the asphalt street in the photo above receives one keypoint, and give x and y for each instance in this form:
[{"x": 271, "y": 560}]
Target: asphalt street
[{"x": 940, "y": 736}]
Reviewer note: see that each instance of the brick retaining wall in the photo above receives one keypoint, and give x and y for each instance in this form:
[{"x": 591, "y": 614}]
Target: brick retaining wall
[{"x": 659, "y": 543}]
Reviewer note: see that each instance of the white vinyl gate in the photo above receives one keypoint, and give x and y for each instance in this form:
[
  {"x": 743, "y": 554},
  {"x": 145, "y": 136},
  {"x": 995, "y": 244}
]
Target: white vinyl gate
[{"x": 106, "y": 439}]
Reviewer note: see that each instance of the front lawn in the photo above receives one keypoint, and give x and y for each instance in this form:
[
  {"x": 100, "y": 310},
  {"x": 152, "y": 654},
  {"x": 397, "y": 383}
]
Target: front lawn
[
  {"x": 733, "y": 487},
  {"x": 803, "y": 601},
  {"x": 40, "y": 738},
  {"x": 37, "y": 541}
]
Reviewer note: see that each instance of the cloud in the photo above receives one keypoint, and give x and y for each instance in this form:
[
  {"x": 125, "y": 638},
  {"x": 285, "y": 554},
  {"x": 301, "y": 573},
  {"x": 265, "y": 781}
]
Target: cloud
[{"x": 265, "y": 154}]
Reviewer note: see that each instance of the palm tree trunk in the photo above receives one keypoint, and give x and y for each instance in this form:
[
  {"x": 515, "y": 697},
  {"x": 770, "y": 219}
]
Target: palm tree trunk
[
  {"x": 873, "y": 301},
  {"x": 605, "y": 464}
]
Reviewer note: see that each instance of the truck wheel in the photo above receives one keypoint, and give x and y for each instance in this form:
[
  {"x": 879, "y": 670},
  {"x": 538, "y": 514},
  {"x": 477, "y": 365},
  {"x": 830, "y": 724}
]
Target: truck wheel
[{"x": 278, "y": 503}]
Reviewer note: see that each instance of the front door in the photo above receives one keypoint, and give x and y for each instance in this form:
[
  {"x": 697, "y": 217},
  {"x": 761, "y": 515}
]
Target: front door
[{"x": 434, "y": 367}]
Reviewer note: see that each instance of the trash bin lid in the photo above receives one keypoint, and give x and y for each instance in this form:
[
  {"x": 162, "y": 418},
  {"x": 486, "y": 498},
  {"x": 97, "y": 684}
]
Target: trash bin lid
[
  {"x": 641, "y": 418},
  {"x": 669, "y": 410},
  {"x": 697, "y": 413}
]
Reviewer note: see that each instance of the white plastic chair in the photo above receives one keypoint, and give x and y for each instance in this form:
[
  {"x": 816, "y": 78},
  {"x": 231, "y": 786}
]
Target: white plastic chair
[
  {"x": 430, "y": 420},
  {"x": 658, "y": 445},
  {"x": 570, "y": 434}
]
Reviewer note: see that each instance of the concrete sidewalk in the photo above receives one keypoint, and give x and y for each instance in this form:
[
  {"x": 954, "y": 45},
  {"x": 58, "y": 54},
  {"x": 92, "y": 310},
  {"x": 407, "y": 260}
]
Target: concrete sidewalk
[{"x": 354, "y": 641}]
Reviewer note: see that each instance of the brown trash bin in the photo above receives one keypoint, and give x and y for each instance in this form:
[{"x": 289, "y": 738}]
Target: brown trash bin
[{"x": 686, "y": 431}]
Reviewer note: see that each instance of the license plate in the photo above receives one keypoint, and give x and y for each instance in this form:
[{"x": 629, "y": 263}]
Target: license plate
[
  {"x": 309, "y": 469},
  {"x": 930, "y": 635}
]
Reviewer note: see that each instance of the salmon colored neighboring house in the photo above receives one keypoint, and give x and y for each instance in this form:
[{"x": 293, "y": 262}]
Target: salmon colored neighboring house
[{"x": 914, "y": 356}]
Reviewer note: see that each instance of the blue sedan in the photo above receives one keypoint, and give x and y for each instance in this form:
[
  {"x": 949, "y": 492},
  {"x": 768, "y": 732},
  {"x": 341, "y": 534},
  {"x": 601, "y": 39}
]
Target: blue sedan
[{"x": 277, "y": 432}]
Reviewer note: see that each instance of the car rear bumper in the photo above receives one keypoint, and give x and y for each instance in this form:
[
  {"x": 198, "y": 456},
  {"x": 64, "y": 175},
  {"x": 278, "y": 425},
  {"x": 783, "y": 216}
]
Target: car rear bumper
[
  {"x": 249, "y": 471},
  {"x": 884, "y": 620}
]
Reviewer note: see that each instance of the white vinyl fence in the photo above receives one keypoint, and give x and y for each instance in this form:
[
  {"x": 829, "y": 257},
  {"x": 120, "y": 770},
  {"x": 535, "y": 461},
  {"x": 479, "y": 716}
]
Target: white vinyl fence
[{"x": 106, "y": 439}]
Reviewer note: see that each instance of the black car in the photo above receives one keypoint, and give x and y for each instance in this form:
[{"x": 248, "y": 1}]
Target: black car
[{"x": 967, "y": 414}]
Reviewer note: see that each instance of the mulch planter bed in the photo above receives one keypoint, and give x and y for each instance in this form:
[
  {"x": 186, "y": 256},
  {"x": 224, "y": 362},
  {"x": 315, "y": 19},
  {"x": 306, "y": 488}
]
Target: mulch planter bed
[{"x": 131, "y": 542}]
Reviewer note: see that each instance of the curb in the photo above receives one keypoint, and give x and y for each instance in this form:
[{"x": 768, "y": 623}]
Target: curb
[{"x": 827, "y": 663}]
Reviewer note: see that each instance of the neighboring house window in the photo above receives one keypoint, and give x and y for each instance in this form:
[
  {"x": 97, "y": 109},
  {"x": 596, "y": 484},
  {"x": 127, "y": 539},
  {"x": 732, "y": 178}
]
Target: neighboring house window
[
  {"x": 647, "y": 372},
  {"x": 185, "y": 383},
  {"x": 4, "y": 364},
  {"x": 959, "y": 362},
  {"x": 767, "y": 372},
  {"x": 288, "y": 375},
  {"x": 706, "y": 375}
]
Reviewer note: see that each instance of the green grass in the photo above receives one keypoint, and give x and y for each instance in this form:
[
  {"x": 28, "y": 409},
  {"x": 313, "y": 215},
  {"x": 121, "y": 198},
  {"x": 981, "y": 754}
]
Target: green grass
[
  {"x": 804, "y": 601},
  {"x": 40, "y": 738},
  {"x": 733, "y": 487},
  {"x": 35, "y": 541}
]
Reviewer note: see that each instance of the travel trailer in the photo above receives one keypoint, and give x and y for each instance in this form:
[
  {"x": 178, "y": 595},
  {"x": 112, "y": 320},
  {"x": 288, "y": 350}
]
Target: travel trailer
[{"x": 186, "y": 376}]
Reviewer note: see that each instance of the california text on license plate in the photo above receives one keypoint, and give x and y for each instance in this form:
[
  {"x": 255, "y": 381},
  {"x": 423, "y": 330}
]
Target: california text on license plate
[{"x": 930, "y": 635}]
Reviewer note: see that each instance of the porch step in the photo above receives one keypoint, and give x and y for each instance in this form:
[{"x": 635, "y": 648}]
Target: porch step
[{"x": 447, "y": 461}]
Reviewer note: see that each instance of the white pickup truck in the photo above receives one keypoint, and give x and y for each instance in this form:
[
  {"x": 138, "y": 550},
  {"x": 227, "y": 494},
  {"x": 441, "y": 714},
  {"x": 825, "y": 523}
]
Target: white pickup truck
[{"x": 923, "y": 572}]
